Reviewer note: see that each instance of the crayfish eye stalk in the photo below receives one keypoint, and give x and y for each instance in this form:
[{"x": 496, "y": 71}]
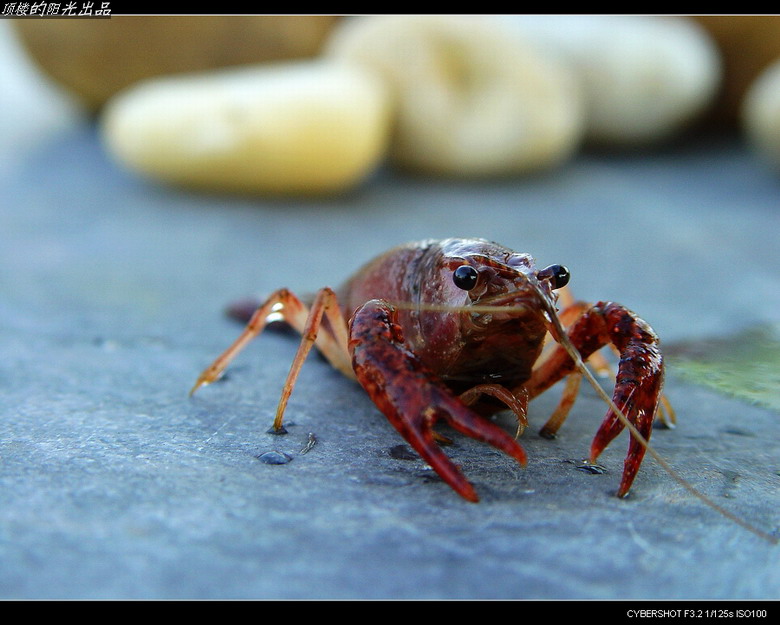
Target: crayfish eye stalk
[{"x": 558, "y": 275}]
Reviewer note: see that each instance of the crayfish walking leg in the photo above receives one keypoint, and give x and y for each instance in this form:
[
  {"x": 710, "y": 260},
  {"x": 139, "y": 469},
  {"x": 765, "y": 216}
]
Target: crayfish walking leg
[{"x": 330, "y": 338}]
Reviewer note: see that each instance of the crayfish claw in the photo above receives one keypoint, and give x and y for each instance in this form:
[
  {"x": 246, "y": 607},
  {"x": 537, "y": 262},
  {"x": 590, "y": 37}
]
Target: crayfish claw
[
  {"x": 471, "y": 424},
  {"x": 413, "y": 398},
  {"x": 637, "y": 388},
  {"x": 422, "y": 440},
  {"x": 638, "y": 382}
]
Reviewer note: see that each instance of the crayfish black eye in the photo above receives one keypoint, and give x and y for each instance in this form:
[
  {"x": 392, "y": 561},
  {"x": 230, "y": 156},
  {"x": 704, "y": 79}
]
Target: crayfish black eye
[
  {"x": 558, "y": 275},
  {"x": 465, "y": 277}
]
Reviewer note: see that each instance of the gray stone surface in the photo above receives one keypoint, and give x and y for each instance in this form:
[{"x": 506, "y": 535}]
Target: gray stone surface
[{"x": 115, "y": 484}]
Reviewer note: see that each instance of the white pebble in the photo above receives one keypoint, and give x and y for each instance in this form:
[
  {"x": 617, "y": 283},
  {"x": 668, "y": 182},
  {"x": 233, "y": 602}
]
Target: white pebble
[
  {"x": 470, "y": 99},
  {"x": 761, "y": 114},
  {"x": 304, "y": 127},
  {"x": 644, "y": 78}
]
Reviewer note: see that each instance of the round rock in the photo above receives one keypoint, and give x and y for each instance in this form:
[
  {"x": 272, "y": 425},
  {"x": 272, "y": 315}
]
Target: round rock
[
  {"x": 96, "y": 58},
  {"x": 761, "y": 114},
  {"x": 470, "y": 99},
  {"x": 644, "y": 78},
  {"x": 308, "y": 127}
]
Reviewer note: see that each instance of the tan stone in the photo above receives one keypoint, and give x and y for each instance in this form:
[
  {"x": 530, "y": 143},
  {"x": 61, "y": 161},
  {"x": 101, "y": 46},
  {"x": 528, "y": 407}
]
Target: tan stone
[
  {"x": 305, "y": 127},
  {"x": 761, "y": 114},
  {"x": 470, "y": 100},
  {"x": 644, "y": 78},
  {"x": 96, "y": 58},
  {"x": 747, "y": 45}
]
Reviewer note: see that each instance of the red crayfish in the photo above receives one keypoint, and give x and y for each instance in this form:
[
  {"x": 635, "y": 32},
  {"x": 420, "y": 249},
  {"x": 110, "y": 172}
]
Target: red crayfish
[{"x": 455, "y": 330}]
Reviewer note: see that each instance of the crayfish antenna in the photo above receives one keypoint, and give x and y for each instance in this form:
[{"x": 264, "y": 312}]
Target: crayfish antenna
[
  {"x": 574, "y": 354},
  {"x": 556, "y": 329}
]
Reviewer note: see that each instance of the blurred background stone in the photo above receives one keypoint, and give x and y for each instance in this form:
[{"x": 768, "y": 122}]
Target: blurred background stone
[
  {"x": 644, "y": 79},
  {"x": 747, "y": 44},
  {"x": 96, "y": 58},
  {"x": 295, "y": 127},
  {"x": 761, "y": 114},
  {"x": 471, "y": 101},
  {"x": 468, "y": 99}
]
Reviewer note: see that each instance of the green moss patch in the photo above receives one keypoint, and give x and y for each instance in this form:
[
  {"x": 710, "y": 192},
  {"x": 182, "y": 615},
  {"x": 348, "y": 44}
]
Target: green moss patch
[{"x": 746, "y": 365}]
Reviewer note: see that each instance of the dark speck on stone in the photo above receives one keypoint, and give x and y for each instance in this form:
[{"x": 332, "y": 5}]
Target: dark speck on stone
[
  {"x": 587, "y": 467},
  {"x": 274, "y": 457},
  {"x": 403, "y": 452},
  {"x": 737, "y": 432}
]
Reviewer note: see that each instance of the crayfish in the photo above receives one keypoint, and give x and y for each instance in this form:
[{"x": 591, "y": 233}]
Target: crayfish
[{"x": 455, "y": 330}]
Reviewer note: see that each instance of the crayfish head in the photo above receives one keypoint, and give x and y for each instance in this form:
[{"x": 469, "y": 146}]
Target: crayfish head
[
  {"x": 480, "y": 311},
  {"x": 491, "y": 312},
  {"x": 506, "y": 288}
]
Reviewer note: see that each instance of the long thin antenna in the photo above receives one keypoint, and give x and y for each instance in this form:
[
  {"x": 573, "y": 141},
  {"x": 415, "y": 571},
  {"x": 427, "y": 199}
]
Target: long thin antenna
[
  {"x": 563, "y": 339},
  {"x": 574, "y": 354}
]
